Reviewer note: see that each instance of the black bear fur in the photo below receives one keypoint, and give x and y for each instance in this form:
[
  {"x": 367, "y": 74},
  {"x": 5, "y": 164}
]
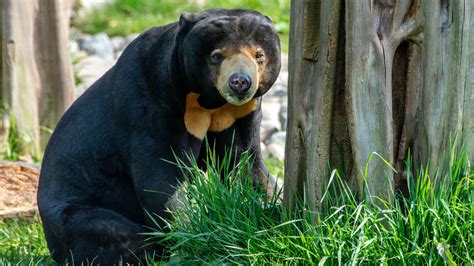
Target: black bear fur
[{"x": 110, "y": 148}]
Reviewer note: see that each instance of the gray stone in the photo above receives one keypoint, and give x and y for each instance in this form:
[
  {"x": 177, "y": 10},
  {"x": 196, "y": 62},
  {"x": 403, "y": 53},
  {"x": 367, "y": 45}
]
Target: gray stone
[
  {"x": 278, "y": 90},
  {"x": 275, "y": 150},
  {"x": 266, "y": 132},
  {"x": 284, "y": 62},
  {"x": 73, "y": 46},
  {"x": 271, "y": 109},
  {"x": 278, "y": 138},
  {"x": 263, "y": 150},
  {"x": 283, "y": 78},
  {"x": 99, "y": 44},
  {"x": 130, "y": 39},
  {"x": 90, "y": 5},
  {"x": 118, "y": 43},
  {"x": 90, "y": 69},
  {"x": 78, "y": 36}
]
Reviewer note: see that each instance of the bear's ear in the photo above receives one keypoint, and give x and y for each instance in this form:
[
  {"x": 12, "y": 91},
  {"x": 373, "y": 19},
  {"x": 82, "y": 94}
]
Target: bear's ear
[
  {"x": 186, "y": 19},
  {"x": 269, "y": 19}
]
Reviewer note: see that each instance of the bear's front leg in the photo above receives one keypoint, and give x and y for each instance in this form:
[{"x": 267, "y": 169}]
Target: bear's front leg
[
  {"x": 248, "y": 131},
  {"x": 154, "y": 172}
]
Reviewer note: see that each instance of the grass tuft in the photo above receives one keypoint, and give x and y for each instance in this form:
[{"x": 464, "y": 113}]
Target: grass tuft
[
  {"x": 22, "y": 243},
  {"x": 16, "y": 144},
  {"x": 223, "y": 219}
]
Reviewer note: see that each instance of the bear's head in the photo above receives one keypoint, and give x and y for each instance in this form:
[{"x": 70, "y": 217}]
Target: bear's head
[{"x": 228, "y": 55}]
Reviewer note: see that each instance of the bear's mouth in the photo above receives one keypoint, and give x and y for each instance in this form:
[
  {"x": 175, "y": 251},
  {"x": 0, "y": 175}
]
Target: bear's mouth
[{"x": 238, "y": 79}]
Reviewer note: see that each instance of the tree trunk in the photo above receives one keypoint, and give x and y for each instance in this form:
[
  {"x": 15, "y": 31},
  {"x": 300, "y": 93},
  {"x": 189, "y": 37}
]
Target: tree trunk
[
  {"x": 38, "y": 82},
  {"x": 404, "y": 84},
  {"x": 468, "y": 115},
  {"x": 311, "y": 89},
  {"x": 444, "y": 52}
]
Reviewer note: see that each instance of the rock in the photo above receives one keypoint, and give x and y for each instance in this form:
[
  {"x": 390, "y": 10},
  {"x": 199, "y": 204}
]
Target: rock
[
  {"x": 266, "y": 132},
  {"x": 283, "y": 77},
  {"x": 276, "y": 145},
  {"x": 90, "y": 69},
  {"x": 78, "y": 36},
  {"x": 276, "y": 151},
  {"x": 279, "y": 89},
  {"x": 130, "y": 39},
  {"x": 284, "y": 62},
  {"x": 278, "y": 138},
  {"x": 118, "y": 43},
  {"x": 270, "y": 110},
  {"x": 99, "y": 44},
  {"x": 89, "y": 5},
  {"x": 263, "y": 150},
  {"x": 73, "y": 47}
]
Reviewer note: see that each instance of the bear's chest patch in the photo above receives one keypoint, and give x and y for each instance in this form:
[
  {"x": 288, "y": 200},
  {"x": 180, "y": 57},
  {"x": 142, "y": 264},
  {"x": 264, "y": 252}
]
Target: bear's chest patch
[{"x": 199, "y": 120}]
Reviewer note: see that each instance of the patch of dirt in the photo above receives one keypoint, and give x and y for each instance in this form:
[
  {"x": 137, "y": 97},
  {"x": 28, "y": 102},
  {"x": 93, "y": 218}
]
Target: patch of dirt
[{"x": 18, "y": 186}]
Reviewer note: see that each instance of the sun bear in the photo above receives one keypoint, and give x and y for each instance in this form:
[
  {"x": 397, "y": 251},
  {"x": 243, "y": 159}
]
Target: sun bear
[{"x": 173, "y": 86}]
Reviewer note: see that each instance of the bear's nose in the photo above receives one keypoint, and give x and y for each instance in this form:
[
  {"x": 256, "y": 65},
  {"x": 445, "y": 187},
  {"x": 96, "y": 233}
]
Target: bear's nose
[{"x": 240, "y": 83}]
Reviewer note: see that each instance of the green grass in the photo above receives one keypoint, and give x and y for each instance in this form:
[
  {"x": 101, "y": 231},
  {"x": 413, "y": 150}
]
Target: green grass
[
  {"x": 22, "y": 242},
  {"x": 17, "y": 143},
  {"x": 228, "y": 222},
  {"x": 124, "y": 17},
  {"x": 275, "y": 166}
]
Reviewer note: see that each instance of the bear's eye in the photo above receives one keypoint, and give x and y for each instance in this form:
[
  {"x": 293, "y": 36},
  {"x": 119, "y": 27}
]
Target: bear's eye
[
  {"x": 259, "y": 55},
  {"x": 216, "y": 57}
]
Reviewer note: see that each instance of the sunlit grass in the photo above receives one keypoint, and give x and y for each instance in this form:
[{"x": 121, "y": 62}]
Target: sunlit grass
[
  {"x": 223, "y": 219},
  {"x": 22, "y": 242},
  {"x": 230, "y": 222}
]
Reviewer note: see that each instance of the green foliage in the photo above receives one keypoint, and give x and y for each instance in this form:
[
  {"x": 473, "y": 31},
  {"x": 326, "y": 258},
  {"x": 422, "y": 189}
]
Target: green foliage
[
  {"x": 275, "y": 166},
  {"x": 124, "y": 17},
  {"x": 75, "y": 61},
  {"x": 16, "y": 143},
  {"x": 229, "y": 222},
  {"x": 23, "y": 243}
]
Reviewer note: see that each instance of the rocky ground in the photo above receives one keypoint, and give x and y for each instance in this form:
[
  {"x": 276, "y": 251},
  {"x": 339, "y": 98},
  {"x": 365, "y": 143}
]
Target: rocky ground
[{"x": 94, "y": 55}]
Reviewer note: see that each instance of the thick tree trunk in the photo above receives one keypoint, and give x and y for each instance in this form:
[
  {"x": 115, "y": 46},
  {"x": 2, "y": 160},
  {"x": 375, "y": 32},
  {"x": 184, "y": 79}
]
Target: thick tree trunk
[
  {"x": 37, "y": 84},
  {"x": 374, "y": 31},
  {"x": 56, "y": 73},
  {"x": 444, "y": 52},
  {"x": 468, "y": 115},
  {"x": 311, "y": 86},
  {"x": 405, "y": 85}
]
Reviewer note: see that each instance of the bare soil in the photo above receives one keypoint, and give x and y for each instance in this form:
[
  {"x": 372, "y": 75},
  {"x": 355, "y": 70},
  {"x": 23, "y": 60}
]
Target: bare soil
[{"x": 18, "y": 186}]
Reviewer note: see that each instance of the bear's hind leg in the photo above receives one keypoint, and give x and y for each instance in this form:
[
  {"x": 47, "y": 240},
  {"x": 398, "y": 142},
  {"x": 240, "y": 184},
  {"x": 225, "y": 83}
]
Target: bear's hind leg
[{"x": 102, "y": 236}]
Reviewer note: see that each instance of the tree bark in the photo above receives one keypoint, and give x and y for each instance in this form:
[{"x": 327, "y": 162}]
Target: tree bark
[
  {"x": 404, "y": 84},
  {"x": 374, "y": 31},
  {"x": 301, "y": 78},
  {"x": 468, "y": 115},
  {"x": 311, "y": 93},
  {"x": 443, "y": 77},
  {"x": 37, "y": 84}
]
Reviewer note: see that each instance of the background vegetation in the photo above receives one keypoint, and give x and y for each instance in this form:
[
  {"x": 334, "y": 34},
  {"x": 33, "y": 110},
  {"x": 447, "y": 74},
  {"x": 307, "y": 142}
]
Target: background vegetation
[{"x": 125, "y": 17}]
